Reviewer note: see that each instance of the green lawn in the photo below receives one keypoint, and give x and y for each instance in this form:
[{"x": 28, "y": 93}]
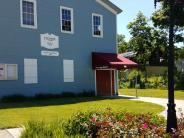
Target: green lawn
[
  {"x": 15, "y": 114},
  {"x": 152, "y": 93}
]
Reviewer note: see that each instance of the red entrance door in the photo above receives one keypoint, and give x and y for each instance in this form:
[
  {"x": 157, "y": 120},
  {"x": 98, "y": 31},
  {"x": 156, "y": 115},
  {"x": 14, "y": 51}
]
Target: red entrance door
[{"x": 105, "y": 82}]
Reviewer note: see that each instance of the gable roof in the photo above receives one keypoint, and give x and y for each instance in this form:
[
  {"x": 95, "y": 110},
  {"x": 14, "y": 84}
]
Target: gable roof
[{"x": 109, "y": 6}]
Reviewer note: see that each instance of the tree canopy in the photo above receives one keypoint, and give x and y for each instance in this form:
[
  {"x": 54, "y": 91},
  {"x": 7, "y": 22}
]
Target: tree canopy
[
  {"x": 161, "y": 18},
  {"x": 148, "y": 42},
  {"x": 122, "y": 44}
]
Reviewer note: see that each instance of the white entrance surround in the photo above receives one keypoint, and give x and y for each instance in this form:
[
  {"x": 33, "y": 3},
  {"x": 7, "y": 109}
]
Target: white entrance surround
[
  {"x": 95, "y": 84},
  {"x": 117, "y": 81},
  {"x": 111, "y": 81}
]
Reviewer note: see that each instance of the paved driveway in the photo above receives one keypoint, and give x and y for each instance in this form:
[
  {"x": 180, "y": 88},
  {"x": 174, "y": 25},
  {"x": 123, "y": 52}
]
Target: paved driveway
[{"x": 159, "y": 101}]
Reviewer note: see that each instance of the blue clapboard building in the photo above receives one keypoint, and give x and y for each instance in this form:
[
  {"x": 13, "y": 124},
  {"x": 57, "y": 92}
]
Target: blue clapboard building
[{"x": 54, "y": 46}]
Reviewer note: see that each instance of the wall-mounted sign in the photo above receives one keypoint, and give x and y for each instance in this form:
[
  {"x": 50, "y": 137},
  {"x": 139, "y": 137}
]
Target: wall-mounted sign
[
  {"x": 50, "y": 53},
  {"x": 2, "y": 71},
  {"x": 49, "y": 41}
]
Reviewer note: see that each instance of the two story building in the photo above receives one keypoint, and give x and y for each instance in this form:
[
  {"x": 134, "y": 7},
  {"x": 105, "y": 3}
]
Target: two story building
[{"x": 54, "y": 46}]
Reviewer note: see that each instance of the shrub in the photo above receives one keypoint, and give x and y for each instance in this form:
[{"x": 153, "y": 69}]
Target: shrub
[
  {"x": 140, "y": 76},
  {"x": 108, "y": 124},
  {"x": 179, "y": 133},
  {"x": 143, "y": 80},
  {"x": 179, "y": 79},
  {"x": 14, "y": 98},
  {"x": 156, "y": 82},
  {"x": 45, "y": 96},
  {"x": 68, "y": 94},
  {"x": 86, "y": 94},
  {"x": 42, "y": 130}
]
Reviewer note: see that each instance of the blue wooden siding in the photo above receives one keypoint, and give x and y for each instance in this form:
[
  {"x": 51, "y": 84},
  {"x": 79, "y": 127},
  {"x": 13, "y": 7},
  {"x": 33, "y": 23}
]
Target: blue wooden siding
[{"x": 17, "y": 43}]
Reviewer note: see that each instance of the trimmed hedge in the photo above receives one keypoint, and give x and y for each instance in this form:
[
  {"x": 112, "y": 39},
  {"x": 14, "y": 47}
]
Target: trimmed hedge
[{"x": 42, "y": 96}]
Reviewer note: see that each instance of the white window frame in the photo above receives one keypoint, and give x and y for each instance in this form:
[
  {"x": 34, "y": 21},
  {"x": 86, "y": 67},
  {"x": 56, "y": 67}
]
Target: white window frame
[
  {"x": 72, "y": 79},
  {"x": 72, "y": 20},
  {"x": 35, "y": 15},
  {"x": 101, "y": 18},
  {"x": 6, "y": 72}
]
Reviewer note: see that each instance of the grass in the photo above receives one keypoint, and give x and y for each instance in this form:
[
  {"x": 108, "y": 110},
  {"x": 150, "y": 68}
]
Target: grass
[
  {"x": 16, "y": 114},
  {"x": 152, "y": 93},
  {"x": 46, "y": 130}
]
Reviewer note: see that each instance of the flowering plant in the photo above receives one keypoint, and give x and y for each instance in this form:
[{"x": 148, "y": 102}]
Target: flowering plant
[
  {"x": 179, "y": 133},
  {"x": 122, "y": 124}
]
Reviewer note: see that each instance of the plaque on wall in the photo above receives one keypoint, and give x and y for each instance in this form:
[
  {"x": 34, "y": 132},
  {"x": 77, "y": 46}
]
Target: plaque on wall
[
  {"x": 49, "y": 41},
  {"x": 50, "y": 53}
]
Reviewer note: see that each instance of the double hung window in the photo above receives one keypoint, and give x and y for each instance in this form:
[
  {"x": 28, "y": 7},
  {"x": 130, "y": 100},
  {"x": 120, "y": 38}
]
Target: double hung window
[
  {"x": 28, "y": 13},
  {"x": 66, "y": 19},
  {"x": 97, "y": 25}
]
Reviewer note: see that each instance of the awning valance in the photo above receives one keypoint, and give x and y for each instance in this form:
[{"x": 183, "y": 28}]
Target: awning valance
[{"x": 111, "y": 60}]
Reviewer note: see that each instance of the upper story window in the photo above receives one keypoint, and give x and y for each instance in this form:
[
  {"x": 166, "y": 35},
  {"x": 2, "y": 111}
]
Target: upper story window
[
  {"x": 66, "y": 20},
  {"x": 97, "y": 25},
  {"x": 28, "y": 13}
]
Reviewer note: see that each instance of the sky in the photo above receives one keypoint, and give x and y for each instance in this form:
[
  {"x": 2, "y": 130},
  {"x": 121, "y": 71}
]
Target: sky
[{"x": 130, "y": 9}]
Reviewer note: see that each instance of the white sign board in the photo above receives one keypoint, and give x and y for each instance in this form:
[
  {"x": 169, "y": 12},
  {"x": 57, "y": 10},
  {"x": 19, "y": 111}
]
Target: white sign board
[
  {"x": 50, "y": 53},
  {"x": 2, "y": 71},
  {"x": 49, "y": 41}
]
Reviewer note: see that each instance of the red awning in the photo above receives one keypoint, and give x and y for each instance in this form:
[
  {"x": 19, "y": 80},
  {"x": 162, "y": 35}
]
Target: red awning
[{"x": 111, "y": 60}]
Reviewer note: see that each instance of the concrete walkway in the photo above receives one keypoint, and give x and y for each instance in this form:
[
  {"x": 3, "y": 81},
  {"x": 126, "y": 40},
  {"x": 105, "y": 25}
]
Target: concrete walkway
[
  {"x": 10, "y": 133},
  {"x": 160, "y": 101}
]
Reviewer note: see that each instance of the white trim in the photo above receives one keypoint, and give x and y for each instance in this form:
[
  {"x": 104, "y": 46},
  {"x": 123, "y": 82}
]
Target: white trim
[
  {"x": 35, "y": 15},
  {"x": 105, "y": 69},
  {"x": 95, "y": 84},
  {"x": 107, "y": 6},
  {"x": 117, "y": 81},
  {"x": 101, "y": 19},
  {"x": 111, "y": 80},
  {"x": 72, "y": 20}
]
